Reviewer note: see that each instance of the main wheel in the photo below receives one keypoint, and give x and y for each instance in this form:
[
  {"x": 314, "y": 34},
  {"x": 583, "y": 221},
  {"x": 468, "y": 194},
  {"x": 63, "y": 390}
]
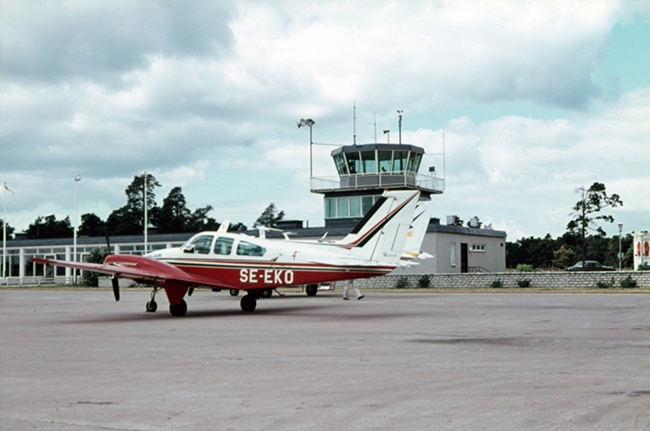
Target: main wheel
[
  {"x": 178, "y": 309},
  {"x": 152, "y": 306},
  {"x": 234, "y": 292},
  {"x": 267, "y": 293},
  {"x": 248, "y": 303},
  {"x": 311, "y": 289}
]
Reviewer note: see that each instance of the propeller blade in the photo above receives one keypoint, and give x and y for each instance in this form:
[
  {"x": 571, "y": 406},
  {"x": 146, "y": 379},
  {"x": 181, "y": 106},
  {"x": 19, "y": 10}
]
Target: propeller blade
[
  {"x": 108, "y": 242},
  {"x": 116, "y": 288}
]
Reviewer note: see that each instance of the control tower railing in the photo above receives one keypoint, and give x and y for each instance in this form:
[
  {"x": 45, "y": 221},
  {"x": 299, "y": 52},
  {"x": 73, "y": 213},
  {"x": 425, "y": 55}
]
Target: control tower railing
[{"x": 392, "y": 180}]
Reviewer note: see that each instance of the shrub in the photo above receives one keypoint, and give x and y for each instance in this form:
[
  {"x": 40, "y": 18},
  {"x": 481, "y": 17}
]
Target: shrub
[
  {"x": 524, "y": 267},
  {"x": 605, "y": 285},
  {"x": 496, "y": 284},
  {"x": 402, "y": 283},
  {"x": 645, "y": 266},
  {"x": 423, "y": 282},
  {"x": 523, "y": 283},
  {"x": 628, "y": 282}
]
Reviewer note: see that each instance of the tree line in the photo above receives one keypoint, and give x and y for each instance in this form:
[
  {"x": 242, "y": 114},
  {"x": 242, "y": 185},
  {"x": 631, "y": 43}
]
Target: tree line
[
  {"x": 175, "y": 217},
  {"x": 172, "y": 217}
]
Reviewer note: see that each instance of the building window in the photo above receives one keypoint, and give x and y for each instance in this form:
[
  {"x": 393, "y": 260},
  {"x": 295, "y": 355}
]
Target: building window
[
  {"x": 342, "y": 207},
  {"x": 355, "y": 206},
  {"x": 478, "y": 248},
  {"x": 330, "y": 208},
  {"x": 352, "y": 206},
  {"x": 453, "y": 254}
]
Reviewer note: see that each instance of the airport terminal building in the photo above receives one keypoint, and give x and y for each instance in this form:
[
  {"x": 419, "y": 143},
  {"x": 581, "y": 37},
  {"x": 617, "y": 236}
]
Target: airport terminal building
[{"x": 364, "y": 172}]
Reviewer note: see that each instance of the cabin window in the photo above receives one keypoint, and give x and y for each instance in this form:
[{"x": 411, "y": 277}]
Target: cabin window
[
  {"x": 369, "y": 162},
  {"x": 223, "y": 246},
  {"x": 201, "y": 244},
  {"x": 248, "y": 249}
]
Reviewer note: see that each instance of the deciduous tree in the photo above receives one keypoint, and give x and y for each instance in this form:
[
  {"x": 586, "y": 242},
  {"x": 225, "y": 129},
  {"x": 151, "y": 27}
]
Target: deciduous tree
[{"x": 586, "y": 212}]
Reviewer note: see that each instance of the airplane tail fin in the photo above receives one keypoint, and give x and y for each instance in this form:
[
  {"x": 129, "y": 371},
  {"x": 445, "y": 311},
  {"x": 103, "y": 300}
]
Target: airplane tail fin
[
  {"x": 417, "y": 231},
  {"x": 381, "y": 234}
]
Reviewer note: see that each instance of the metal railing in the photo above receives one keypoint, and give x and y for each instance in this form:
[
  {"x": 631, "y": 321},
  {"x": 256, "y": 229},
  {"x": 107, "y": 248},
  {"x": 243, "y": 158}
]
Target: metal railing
[{"x": 427, "y": 183}]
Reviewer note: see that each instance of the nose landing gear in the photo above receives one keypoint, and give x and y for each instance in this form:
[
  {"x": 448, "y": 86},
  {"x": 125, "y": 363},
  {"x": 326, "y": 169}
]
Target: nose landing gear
[{"x": 152, "y": 306}]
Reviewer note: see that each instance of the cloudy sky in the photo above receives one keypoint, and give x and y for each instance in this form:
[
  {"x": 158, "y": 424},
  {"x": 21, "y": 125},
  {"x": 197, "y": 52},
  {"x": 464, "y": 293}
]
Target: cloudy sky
[{"x": 534, "y": 100}]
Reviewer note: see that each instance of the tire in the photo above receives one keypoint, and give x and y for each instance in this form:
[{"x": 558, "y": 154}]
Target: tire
[
  {"x": 178, "y": 310},
  {"x": 152, "y": 306},
  {"x": 311, "y": 289},
  {"x": 248, "y": 303},
  {"x": 234, "y": 292},
  {"x": 267, "y": 293}
]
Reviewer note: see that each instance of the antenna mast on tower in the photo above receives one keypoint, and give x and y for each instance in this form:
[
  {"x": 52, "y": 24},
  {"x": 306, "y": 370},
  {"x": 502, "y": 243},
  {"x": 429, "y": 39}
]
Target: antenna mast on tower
[{"x": 354, "y": 122}]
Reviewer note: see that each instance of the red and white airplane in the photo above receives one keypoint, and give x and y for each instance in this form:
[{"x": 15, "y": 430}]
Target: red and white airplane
[{"x": 226, "y": 260}]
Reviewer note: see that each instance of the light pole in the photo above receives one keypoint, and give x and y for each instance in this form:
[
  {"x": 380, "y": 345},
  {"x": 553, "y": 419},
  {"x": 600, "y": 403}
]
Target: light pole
[
  {"x": 74, "y": 232},
  {"x": 309, "y": 123},
  {"x": 4, "y": 232},
  {"x": 146, "y": 215},
  {"x": 620, "y": 255}
]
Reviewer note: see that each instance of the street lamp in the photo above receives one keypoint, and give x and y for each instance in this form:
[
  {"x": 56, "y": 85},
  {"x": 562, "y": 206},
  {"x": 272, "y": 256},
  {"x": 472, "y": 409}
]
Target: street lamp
[
  {"x": 309, "y": 123},
  {"x": 4, "y": 232},
  {"x": 620, "y": 255},
  {"x": 74, "y": 233}
]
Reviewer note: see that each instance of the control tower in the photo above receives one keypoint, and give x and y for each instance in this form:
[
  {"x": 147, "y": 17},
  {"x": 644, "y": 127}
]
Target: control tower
[{"x": 364, "y": 172}]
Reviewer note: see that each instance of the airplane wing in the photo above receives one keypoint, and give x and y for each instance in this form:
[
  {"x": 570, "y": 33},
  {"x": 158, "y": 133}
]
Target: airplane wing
[{"x": 141, "y": 269}]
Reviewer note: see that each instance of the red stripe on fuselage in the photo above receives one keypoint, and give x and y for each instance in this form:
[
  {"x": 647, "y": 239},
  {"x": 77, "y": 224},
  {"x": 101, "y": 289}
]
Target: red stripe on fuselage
[{"x": 263, "y": 275}]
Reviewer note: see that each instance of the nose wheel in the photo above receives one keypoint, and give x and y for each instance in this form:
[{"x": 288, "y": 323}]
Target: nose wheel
[{"x": 152, "y": 306}]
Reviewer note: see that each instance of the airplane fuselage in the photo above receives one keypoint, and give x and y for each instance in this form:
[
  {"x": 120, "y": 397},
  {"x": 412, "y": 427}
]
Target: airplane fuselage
[{"x": 249, "y": 263}]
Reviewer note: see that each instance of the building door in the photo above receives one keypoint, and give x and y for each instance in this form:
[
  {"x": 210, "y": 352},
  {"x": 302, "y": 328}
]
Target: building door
[{"x": 464, "y": 266}]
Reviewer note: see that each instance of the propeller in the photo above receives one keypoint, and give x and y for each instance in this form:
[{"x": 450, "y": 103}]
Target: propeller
[
  {"x": 114, "y": 281},
  {"x": 116, "y": 288}
]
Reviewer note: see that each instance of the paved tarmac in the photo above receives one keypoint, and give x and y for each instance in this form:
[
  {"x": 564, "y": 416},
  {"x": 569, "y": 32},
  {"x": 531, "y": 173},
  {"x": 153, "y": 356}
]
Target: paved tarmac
[{"x": 77, "y": 360}]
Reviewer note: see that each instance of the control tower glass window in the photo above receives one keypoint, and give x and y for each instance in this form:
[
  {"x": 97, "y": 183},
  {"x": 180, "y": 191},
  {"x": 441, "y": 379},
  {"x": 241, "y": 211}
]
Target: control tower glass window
[
  {"x": 339, "y": 160},
  {"x": 399, "y": 161},
  {"x": 414, "y": 162},
  {"x": 354, "y": 162},
  {"x": 369, "y": 162},
  {"x": 342, "y": 207},
  {"x": 385, "y": 160}
]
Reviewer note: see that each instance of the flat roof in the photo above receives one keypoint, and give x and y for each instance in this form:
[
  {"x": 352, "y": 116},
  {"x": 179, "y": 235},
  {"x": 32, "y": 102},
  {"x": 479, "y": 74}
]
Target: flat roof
[{"x": 388, "y": 147}]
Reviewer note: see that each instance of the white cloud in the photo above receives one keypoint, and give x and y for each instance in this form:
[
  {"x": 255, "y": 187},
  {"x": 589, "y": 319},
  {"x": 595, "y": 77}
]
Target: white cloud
[{"x": 208, "y": 96}]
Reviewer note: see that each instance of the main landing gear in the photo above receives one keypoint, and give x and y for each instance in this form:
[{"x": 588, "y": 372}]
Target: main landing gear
[
  {"x": 248, "y": 303},
  {"x": 179, "y": 309}
]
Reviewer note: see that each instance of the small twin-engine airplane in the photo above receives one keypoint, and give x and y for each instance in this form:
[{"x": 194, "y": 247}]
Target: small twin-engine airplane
[{"x": 224, "y": 260}]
